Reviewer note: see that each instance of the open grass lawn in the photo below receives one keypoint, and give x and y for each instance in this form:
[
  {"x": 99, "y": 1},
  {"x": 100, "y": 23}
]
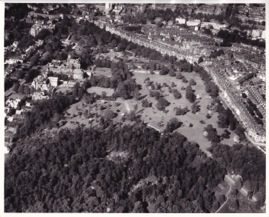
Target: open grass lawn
[
  {"x": 141, "y": 71},
  {"x": 14, "y": 95},
  {"x": 75, "y": 115},
  {"x": 154, "y": 116},
  {"x": 63, "y": 89},
  {"x": 100, "y": 90},
  {"x": 103, "y": 71}
]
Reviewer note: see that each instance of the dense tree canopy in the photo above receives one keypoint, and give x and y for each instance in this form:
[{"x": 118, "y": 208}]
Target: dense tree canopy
[
  {"x": 41, "y": 114},
  {"x": 75, "y": 171},
  {"x": 237, "y": 159}
]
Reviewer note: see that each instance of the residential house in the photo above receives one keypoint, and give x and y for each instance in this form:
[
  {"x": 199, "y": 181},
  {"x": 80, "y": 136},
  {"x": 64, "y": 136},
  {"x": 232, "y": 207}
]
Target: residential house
[
  {"x": 180, "y": 20},
  {"x": 53, "y": 81},
  {"x": 13, "y": 103},
  {"x": 193, "y": 22},
  {"x": 10, "y": 118},
  {"x": 256, "y": 33}
]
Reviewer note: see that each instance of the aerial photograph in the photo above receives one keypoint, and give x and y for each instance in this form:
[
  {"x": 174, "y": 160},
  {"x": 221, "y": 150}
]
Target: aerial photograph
[{"x": 134, "y": 108}]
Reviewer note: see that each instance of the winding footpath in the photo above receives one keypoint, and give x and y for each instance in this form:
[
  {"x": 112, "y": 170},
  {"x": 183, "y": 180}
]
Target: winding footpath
[{"x": 225, "y": 200}]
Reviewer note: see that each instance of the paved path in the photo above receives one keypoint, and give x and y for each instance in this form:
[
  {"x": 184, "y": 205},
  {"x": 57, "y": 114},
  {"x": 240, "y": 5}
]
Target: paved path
[
  {"x": 226, "y": 199},
  {"x": 154, "y": 127},
  {"x": 257, "y": 144},
  {"x": 127, "y": 106}
]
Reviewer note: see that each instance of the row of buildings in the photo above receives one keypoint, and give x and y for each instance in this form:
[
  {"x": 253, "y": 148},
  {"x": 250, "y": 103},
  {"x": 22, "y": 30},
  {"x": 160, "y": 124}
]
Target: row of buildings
[
  {"x": 231, "y": 95},
  {"x": 162, "y": 47},
  {"x": 15, "y": 106},
  {"x": 250, "y": 12},
  {"x": 257, "y": 99},
  {"x": 215, "y": 27},
  {"x": 197, "y": 24},
  {"x": 40, "y": 25},
  {"x": 70, "y": 67}
]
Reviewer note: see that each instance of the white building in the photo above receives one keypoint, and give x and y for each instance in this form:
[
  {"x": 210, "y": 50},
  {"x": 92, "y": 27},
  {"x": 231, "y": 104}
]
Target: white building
[
  {"x": 216, "y": 26},
  {"x": 180, "y": 20},
  {"x": 53, "y": 81},
  {"x": 28, "y": 104},
  {"x": 12, "y": 61},
  {"x": 15, "y": 44},
  {"x": 256, "y": 33},
  {"x": 37, "y": 82},
  {"x": 78, "y": 74},
  {"x": 13, "y": 103},
  {"x": 18, "y": 112},
  {"x": 193, "y": 22},
  {"x": 36, "y": 28},
  {"x": 10, "y": 119},
  {"x": 263, "y": 35}
]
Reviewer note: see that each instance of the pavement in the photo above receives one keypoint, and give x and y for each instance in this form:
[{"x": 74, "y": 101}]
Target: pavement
[
  {"x": 257, "y": 144},
  {"x": 227, "y": 198}
]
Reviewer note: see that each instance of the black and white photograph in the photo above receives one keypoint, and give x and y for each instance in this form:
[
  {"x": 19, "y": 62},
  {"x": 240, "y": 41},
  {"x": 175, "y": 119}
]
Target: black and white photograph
[{"x": 134, "y": 107}]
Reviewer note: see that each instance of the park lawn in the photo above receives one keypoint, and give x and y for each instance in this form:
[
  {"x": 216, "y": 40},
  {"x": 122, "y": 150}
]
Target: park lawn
[
  {"x": 63, "y": 89},
  {"x": 229, "y": 141},
  {"x": 154, "y": 116},
  {"x": 75, "y": 115},
  {"x": 200, "y": 89},
  {"x": 15, "y": 95},
  {"x": 100, "y": 90},
  {"x": 142, "y": 71},
  {"x": 103, "y": 71}
]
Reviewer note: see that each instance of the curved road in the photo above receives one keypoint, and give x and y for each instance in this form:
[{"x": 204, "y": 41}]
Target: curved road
[{"x": 257, "y": 144}]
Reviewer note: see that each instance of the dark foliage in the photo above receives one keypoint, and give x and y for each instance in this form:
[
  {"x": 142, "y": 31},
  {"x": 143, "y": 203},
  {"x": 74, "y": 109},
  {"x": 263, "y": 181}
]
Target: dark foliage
[
  {"x": 239, "y": 37},
  {"x": 42, "y": 112},
  {"x": 19, "y": 11},
  {"x": 237, "y": 159},
  {"x": 70, "y": 173},
  {"x": 190, "y": 94}
]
